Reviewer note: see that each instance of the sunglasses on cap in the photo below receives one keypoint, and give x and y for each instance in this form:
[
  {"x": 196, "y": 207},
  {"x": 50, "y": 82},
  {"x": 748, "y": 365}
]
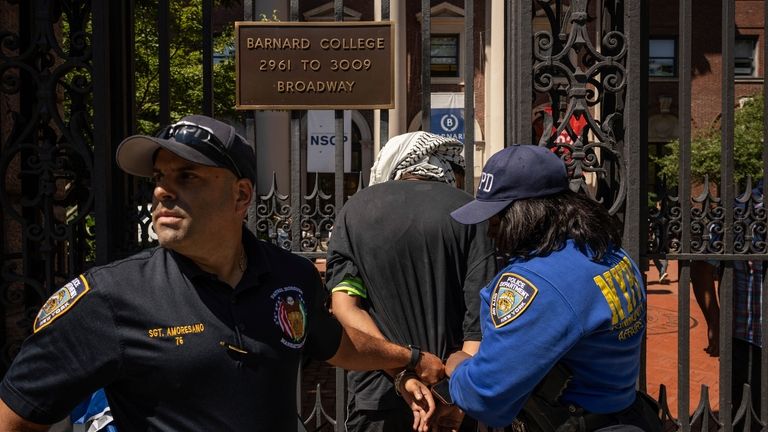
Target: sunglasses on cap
[{"x": 201, "y": 139}]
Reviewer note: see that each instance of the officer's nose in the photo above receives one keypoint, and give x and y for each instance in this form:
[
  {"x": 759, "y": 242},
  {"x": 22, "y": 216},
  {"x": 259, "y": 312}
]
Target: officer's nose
[{"x": 164, "y": 191}]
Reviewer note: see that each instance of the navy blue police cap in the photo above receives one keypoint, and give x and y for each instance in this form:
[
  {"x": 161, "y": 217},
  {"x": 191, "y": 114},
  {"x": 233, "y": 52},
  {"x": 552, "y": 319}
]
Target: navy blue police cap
[
  {"x": 196, "y": 138},
  {"x": 515, "y": 173}
]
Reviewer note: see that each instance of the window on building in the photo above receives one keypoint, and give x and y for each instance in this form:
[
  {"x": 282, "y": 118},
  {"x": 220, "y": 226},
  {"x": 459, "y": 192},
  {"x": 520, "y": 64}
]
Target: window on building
[
  {"x": 662, "y": 57},
  {"x": 744, "y": 53},
  {"x": 445, "y": 55}
]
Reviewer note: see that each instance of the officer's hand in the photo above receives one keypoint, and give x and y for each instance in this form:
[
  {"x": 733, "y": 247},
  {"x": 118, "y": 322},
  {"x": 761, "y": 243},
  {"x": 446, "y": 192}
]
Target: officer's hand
[
  {"x": 454, "y": 360},
  {"x": 447, "y": 418},
  {"x": 430, "y": 368},
  {"x": 420, "y": 400}
]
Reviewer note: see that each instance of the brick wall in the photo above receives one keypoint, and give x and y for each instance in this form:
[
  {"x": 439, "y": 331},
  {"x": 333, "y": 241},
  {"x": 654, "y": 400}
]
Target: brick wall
[{"x": 706, "y": 60}]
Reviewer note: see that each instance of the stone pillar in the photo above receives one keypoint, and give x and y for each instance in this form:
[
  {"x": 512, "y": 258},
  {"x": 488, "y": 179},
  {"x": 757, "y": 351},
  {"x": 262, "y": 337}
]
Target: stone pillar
[
  {"x": 494, "y": 78},
  {"x": 398, "y": 123},
  {"x": 273, "y": 137}
]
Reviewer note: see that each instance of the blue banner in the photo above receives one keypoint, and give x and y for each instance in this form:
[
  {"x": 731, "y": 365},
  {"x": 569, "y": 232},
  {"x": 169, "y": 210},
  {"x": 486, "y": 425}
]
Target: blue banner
[{"x": 448, "y": 122}]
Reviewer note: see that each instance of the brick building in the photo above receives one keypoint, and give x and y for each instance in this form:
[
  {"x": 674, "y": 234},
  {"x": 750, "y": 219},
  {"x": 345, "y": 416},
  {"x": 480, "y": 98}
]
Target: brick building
[{"x": 706, "y": 64}]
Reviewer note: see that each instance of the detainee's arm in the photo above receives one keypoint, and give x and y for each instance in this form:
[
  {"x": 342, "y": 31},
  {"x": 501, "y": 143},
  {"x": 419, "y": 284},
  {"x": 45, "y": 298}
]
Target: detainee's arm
[
  {"x": 344, "y": 279},
  {"x": 347, "y": 307},
  {"x": 358, "y": 350}
]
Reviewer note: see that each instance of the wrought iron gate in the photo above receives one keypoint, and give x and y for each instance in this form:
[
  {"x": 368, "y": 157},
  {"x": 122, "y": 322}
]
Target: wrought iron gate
[{"x": 68, "y": 96}]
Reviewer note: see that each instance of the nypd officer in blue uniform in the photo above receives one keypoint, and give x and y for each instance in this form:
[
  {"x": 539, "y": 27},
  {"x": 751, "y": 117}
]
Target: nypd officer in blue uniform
[
  {"x": 203, "y": 333},
  {"x": 564, "y": 320}
]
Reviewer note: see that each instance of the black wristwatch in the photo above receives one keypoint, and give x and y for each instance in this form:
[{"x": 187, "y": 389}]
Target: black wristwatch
[{"x": 415, "y": 357}]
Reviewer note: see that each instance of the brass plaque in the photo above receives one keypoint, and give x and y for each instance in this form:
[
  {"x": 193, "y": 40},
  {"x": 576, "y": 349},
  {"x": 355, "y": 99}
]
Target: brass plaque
[{"x": 314, "y": 65}]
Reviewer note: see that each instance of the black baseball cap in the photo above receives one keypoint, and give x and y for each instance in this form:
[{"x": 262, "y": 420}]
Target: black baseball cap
[
  {"x": 196, "y": 138},
  {"x": 515, "y": 173}
]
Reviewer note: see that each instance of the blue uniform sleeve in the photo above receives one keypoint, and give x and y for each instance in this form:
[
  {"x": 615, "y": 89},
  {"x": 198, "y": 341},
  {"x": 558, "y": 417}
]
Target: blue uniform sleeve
[{"x": 527, "y": 327}]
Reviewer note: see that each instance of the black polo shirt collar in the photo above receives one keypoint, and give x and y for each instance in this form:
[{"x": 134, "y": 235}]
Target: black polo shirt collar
[{"x": 258, "y": 263}]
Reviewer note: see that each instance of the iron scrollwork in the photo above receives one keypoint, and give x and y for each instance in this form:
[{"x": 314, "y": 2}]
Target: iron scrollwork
[
  {"x": 272, "y": 218},
  {"x": 573, "y": 76},
  {"x": 47, "y": 158},
  {"x": 317, "y": 215},
  {"x": 707, "y": 221}
]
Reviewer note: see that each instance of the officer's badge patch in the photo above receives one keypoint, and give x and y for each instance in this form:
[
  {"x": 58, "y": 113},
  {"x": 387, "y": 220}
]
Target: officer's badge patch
[
  {"x": 290, "y": 315},
  {"x": 60, "y": 302},
  {"x": 510, "y": 298}
]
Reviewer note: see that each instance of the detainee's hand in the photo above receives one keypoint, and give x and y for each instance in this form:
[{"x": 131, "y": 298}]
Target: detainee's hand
[
  {"x": 447, "y": 418},
  {"x": 430, "y": 368},
  {"x": 420, "y": 400}
]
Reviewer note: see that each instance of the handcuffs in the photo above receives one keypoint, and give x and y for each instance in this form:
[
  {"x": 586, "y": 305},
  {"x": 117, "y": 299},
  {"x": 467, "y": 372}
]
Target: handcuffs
[{"x": 410, "y": 369}]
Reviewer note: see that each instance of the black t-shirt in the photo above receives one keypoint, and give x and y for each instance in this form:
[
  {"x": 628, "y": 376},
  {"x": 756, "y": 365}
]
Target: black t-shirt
[
  {"x": 423, "y": 271},
  {"x": 150, "y": 330}
]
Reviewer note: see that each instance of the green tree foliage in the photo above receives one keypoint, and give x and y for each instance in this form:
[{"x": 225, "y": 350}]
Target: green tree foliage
[
  {"x": 705, "y": 148},
  {"x": 185, "y": 29}
]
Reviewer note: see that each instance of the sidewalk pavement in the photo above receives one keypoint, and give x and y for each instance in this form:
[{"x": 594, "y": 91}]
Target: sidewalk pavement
[{"x": 662, "y": 344}]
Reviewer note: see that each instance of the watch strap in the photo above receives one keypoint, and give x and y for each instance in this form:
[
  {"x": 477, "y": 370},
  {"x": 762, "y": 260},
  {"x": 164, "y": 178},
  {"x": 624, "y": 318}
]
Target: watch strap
[{"x": 415, "y": 357}]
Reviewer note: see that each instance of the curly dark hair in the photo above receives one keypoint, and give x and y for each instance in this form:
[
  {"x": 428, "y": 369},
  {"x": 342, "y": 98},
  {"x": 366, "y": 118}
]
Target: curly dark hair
[{"x": 539, "y": 226}]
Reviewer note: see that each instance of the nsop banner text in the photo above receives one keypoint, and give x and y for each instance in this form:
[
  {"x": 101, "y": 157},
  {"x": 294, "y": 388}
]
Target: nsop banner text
[{"x": 328, "y": 65}]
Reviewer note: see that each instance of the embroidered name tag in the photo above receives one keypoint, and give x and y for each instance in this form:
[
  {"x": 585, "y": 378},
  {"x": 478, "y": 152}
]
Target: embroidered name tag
[
  {"x": 510, "y": 298},
  {"x": 60, "y": 302}
]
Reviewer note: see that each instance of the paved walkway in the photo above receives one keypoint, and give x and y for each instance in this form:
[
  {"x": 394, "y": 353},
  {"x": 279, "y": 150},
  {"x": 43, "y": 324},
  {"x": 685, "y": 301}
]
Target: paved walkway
[{"x": 662, "y": 344}]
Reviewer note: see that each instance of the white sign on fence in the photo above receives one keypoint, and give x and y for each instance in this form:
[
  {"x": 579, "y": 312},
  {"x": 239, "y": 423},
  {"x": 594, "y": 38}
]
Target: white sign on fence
[{"x": 321, "y": 141}]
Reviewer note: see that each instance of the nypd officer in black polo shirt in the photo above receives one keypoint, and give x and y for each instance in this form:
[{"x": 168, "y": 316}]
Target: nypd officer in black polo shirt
[{"x": 204, "y": 332}]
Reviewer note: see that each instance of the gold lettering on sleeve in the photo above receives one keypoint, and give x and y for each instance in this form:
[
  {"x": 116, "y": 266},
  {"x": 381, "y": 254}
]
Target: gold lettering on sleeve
[
  {"x": 620, "y": 281},
  {"x": 605, "y": 282}
]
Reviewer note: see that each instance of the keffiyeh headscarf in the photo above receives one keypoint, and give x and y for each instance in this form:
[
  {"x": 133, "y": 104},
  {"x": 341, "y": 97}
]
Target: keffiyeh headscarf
[{"x": 418, "y": 153}]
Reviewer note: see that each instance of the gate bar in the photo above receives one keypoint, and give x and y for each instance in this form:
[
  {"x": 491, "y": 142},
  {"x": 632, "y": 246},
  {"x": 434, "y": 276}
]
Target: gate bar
[
  {"x": 208, "y": 57},
  {"x": 727, "y": 193},
  {"x": 518, "y": 58},
  {"x": 426, "y": 65},
  {"x": 763, "y": 414},
  {"x": 634, "y": 151},
  {"x": 164, "y": 61},
  {"x": 684, "y": 195},
  {"x": 469, "y": 96},
  {"x": 338, "y": 6},
  {"x": 384, "y": 114},
  {"x": 636, "y": 132},
  {"x": 341, "y": 381},
  {"x": 295, "y": 159}
]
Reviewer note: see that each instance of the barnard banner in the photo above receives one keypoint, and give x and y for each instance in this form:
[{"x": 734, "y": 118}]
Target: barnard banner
[
  {"x": 447, "y": 115},
  {"x": 326, "y": 65}
]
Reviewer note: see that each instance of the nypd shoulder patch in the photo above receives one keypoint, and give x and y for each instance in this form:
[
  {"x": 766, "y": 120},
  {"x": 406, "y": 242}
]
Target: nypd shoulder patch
[
  {"x": 510, "y": 298},
  {"x": 60, "y": 302}
]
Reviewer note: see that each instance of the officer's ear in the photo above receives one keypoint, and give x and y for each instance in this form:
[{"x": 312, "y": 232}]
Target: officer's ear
[{"x": 244, "y": 195}]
